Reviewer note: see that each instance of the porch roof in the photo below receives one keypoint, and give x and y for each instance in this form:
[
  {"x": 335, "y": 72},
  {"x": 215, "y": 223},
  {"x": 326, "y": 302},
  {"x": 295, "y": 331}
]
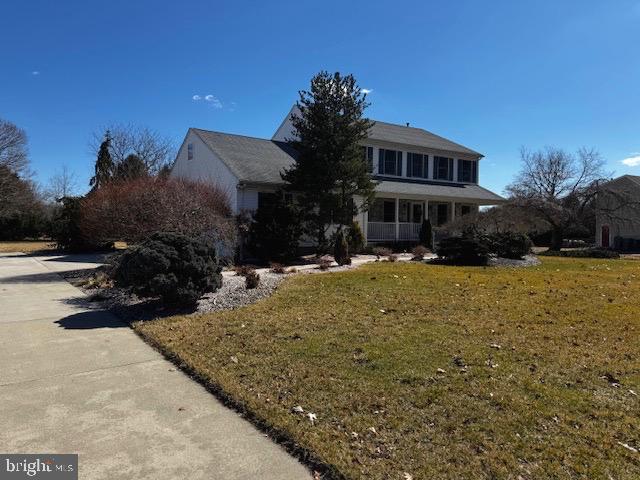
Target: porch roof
[{"x": 454, "y": 191}]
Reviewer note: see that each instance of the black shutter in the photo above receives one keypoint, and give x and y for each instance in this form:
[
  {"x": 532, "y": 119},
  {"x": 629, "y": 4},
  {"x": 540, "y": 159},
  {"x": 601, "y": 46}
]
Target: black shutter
[
  {"x": 460, "y": 170},
  {"x": 451, "y": 169},
  {"x": 381, "y": 161},
  {"x": 399, "y": 164},
  {"x": 475, "y": 171}
]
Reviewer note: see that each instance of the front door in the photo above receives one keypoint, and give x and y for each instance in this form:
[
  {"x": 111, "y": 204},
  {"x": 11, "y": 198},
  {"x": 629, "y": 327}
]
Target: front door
[{"x": 605, "y": 236}]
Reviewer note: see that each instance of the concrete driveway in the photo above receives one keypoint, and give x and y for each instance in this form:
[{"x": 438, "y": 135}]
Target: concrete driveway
[{"x": 76, "y": 380}]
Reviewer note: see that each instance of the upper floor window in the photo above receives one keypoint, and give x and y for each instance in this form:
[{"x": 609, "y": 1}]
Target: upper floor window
[
  {"x": 367, "y": 153},
  {"x": 417, "y": 165},
  {"x": 190, "y": 151},
  {"x": 442, "y": 168},
  {"x": 390, "y": 162},
  {"x": 468, "y": 171}
]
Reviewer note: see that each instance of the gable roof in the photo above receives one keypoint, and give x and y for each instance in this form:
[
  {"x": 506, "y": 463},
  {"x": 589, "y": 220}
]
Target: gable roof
[
  {"x": 418, "y": 137},
  {"x": 250, "y": 159},
  {"x": 634, "y": 178}
]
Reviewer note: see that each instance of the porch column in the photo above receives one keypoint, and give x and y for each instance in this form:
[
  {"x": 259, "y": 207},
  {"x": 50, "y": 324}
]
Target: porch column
[
  {"x": 397, "y": 219},
  {"x": 453, "y": 211},
  {"x": 426, "y": 209}
]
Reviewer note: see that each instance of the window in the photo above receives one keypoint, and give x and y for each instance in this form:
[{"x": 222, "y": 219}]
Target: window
[
  {"x": 390, "y": 162},
  {"x": 190, "y": 151},
  {"x": 266, "y": 199},
  {"x": 442, "y": 168},
  {"x": 417, "y": 165},
  {"x": 383, "y": 210},
  {"x": 367, "y": 153},
  {"x": 409, "y": 211},
  {"x": 465, "y": 210},
  {"x": 468, "y": 171}
]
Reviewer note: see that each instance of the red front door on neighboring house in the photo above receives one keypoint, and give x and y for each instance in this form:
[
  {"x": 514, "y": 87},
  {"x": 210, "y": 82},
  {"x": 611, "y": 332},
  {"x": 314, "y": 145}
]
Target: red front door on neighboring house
[{"x": 605, "y": 236}]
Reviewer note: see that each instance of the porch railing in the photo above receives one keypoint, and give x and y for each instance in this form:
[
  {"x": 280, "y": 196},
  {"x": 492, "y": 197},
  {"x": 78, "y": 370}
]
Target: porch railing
[
  {"x": 381, "y": 231},
  {"x": 409, "y": 231},
  {"x": 386, "y": 231}
]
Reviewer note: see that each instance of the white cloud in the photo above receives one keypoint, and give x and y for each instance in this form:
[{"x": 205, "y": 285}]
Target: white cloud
[
  {"x": 632, "y": 161},
  {"x": 215, "y": 103},
  {"x": 35, "y": 72},
  {"x": 367, "y": 91},
  {"x": 210, "y": 99}
]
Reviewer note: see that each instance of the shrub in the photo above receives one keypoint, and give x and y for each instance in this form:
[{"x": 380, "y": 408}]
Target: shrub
[
  {"x": 65, "y": 226},
  {"x": 582, "y": 253},
  {"x": 341, "y": 249},
  {"x": 174, "y": 267},
  {"x": 278, "y": 268},
  {"x": 355, "y": 238},
  {"x": 419, "y": 252},
  {"x": 132, "y": 210},
  {"x": 276, "y": 230},
  {"x": 242, "y": 270},
  {"x": 467, "y": 250},
  {"x": 381, "y": 252},
  {"x": 426, "y": 234},
  {"x": 510, "y": 244},
  {"x": 251, "y": 279},
  {"x": 392, "y": 257},
  {"x": 324, "y": 264}
]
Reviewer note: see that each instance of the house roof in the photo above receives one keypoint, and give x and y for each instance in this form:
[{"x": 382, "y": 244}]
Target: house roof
[
  {"x": 261, "y": 161},
  {"x": 390, "y": 132},
  {"x": 250, "y": 159},
  {"x": 453, "y": 191}
]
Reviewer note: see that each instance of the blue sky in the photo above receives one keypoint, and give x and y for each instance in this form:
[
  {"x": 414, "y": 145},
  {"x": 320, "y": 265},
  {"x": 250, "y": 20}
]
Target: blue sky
[{"x": 494, "y": 76}]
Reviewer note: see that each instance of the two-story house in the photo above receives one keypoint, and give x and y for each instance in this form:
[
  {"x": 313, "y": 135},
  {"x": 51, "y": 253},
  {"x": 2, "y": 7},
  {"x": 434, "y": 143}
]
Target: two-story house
[{"x": 420, "y": 174}]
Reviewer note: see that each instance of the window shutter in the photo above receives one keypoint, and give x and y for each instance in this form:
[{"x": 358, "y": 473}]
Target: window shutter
[
  {"x": 426, "y": 166},
  {"x": 399, "y": 164},
  {"x": 474, "y": 175},
  {"x": 460, "y": 170},
  {"x": 451, "y": 169},
  {"x": 381, "y": 161}
]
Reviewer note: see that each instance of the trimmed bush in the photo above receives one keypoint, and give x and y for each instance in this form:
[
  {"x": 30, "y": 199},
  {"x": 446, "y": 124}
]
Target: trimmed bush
[
  {"x": 65, "y": 226},
  {"x": 277, "y": 268},
  {"x": 426, "y": 234},
  {"x": 582, "y": 253},
  {"x": 510, "y": 245},
  {"x": 355, "y": 238},
  {"x": 324, "y": 264},
  {"x": 173, "y": 267},
  {"x": 341, "y": 249},
  {"x": 467, "y": 250},
  {"x": 251, "y": 279}
]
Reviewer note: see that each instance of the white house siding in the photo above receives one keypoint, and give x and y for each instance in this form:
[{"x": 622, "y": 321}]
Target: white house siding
[{"x": 205, "y": 166}]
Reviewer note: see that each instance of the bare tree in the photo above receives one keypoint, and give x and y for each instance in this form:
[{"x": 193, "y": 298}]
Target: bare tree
[
  {"x": 63, "y": 183},
  {"x": 558, "y": 187},
  {"x": 155, "y": 150},
  {"x": 13, "y": 148}
]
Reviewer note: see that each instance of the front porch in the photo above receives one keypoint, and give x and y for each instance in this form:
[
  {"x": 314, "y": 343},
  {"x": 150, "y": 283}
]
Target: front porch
[{"x": 400, "y": 219}]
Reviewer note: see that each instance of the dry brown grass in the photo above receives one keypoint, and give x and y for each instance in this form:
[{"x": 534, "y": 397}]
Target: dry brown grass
[
  {"x": 435, "y": 371},
  {"x": 27, "y": 246}
]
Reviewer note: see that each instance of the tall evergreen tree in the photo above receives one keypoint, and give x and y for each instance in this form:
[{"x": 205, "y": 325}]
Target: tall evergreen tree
[
  {"x": 104, "y": 168},
  {"x": 331, "y": 167},
  {"x": 130, "y": 168}
]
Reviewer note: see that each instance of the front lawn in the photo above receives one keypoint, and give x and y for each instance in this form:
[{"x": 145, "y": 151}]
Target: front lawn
[
  {"x": 439, "y": 372},
  {"x": 27, "y": 246}
]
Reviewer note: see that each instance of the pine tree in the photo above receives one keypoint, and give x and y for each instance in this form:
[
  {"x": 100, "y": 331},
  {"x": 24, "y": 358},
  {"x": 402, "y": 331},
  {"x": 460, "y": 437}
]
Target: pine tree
[
  {"x": 104, "y": 168},
  {"x": 130, "y": 168},
  {"x": 330, "y": 168}
]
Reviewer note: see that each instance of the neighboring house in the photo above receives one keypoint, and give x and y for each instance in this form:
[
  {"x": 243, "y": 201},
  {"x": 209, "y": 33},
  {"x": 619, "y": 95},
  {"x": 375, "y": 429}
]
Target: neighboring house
[
  {"x": 420, "y": 175},
  {"x": 618, "y": 214}
]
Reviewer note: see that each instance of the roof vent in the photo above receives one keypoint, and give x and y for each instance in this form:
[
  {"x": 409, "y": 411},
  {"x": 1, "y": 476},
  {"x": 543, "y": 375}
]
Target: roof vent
[{"x": 407, "y": 124}]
